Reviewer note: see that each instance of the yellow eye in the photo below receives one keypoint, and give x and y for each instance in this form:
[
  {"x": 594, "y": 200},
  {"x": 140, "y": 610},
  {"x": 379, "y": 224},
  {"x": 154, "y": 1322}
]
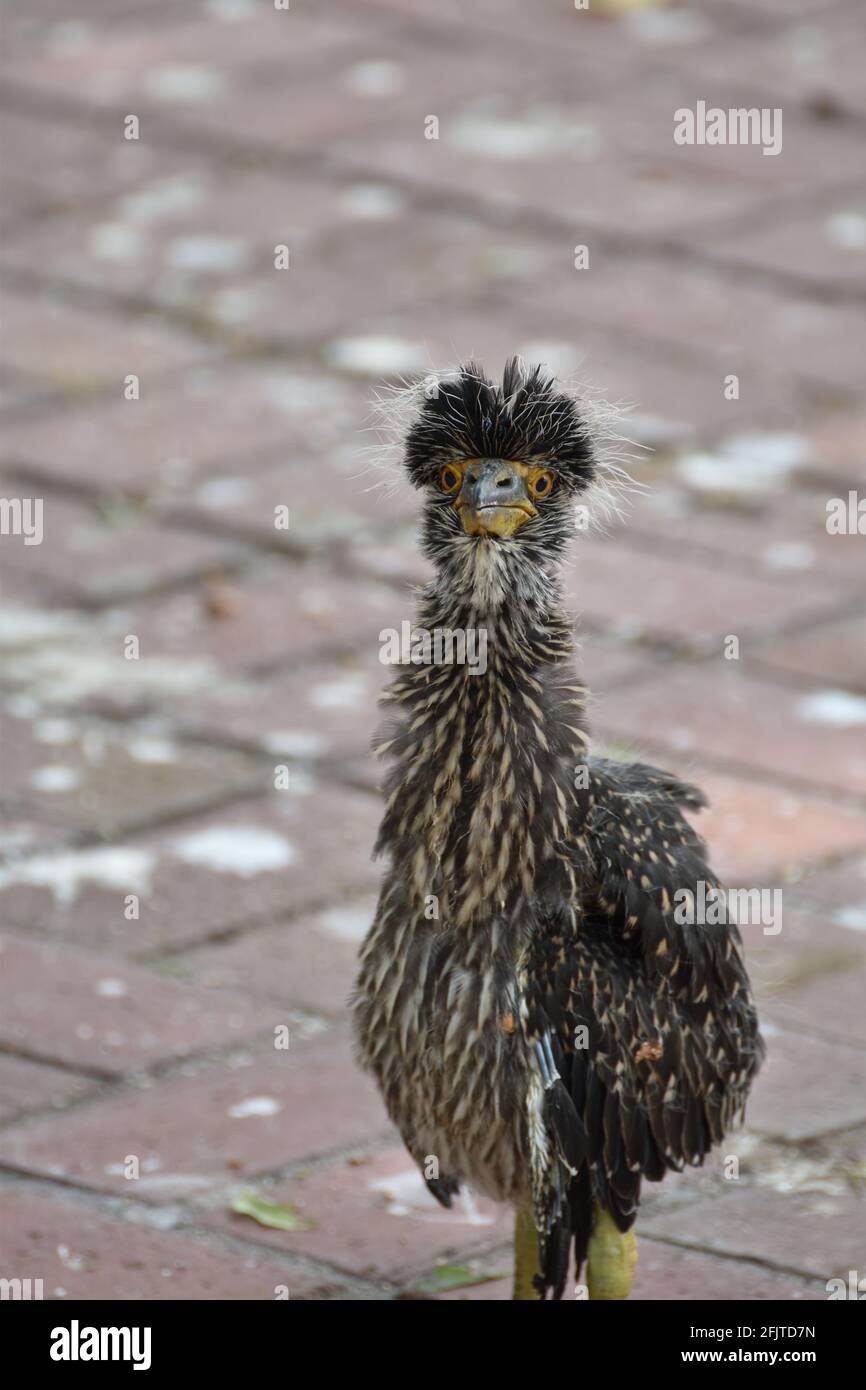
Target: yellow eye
[
  {"x": 450, "y": 478},
  {"x": 541, "y": 484}
]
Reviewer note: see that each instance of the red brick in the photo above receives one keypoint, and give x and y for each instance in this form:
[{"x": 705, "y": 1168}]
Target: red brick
[
  {"x": 666, "y": 1273},
  {"x": 669, "y": 1274},
  {"x": 822, "y": 246},
  {"x": 19, "y": 837},
  {"x": 130, "y": 66},
  {"x": 192, "y": 236},
  {"x": 720, "y": 710},
  {"x": 768, "y": 11},
  {"x": 764, "y": 836},
  {"x": 198, "y": 640},
  {"x": 59, "y": 164},
  {"x": 784, "y": 1228},
  {"x": 83, "y": 1253},
  {"x": 736, "y": 325},
  {"x": 59, "y": 657},
  {"x": 686, "y": 390},
  {"x": 835, "y": 653},
  {"x": 815, "y": 153},
  {"x": 27, "y": 1086},
  {"x": 373, "y": 1216},
  {"x": 838, "y": 454},
  {"x": 310, "y": 963},
  {"x": 246, "y": 864},
  {"x": 840, "y": 890},
  {"x": 794, "y": 64},
  {"x": 413, "y": 82},
  {"x": 828, "y": 1006},
  {"x": 19, "y": 391},
  {"x": 392, "y": 555},
  {"x": 649, "y": 194},
  {"x": 184, "y": 1135},
  {"x": 550, "y": 27},
  {"x": 110, "y": 1017},
  {"x": 808, "y": 949},
  {"x": 198, "y": 421},
  {"x": 94, "y": 557},
  {"x": 278, "y": 612},
  {"x": 331, "y": 500},
  {"x": 806, "y": 1087},
  {"x": 324, "y": 711},
  {"x": 778, "y": 532},
  {"x": 353, "y": 272},
  {"x": 39, "y": 26},
  {"x": 80, "y": 350},
  {"x": 109, "y": 779},
  {"x": 634, "y": 594}
]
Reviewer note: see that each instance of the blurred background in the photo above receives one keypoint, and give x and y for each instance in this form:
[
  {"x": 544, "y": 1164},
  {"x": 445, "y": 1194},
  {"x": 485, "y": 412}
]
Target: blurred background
[{"x": 223, "y": 224}]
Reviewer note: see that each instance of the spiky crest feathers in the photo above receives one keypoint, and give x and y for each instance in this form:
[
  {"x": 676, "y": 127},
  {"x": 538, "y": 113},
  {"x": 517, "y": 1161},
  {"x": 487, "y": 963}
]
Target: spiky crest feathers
[
  {"x": 527, "y": 419},
  {"x": 532, "y": 417}
]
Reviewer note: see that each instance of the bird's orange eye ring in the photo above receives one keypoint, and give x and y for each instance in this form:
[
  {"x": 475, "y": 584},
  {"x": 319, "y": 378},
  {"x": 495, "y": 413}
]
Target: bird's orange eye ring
[
  {"x": 541, "y": 485},
  {"x": 450, "y": 478}
]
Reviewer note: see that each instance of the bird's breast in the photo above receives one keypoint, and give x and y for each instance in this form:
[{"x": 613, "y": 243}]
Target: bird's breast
[{"x": 437, "y": 1024}]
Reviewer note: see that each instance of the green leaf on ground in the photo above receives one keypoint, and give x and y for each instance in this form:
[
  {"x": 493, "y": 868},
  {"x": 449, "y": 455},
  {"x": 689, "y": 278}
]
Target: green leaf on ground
[
  {"x": 445, "y": 1277},
  {"x": 280, "y": 1216}
]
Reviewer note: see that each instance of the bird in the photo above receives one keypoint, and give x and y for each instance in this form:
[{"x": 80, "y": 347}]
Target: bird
[{"x": 548, "y": 1020}]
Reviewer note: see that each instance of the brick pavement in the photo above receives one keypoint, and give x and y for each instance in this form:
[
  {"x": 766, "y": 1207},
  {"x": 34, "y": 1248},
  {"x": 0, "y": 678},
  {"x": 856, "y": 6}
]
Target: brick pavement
[{"x": 169, "y": 913}]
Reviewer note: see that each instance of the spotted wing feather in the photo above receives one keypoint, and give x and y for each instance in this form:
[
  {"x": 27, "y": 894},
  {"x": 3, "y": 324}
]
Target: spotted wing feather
[{"x": 652, "y": 1027}]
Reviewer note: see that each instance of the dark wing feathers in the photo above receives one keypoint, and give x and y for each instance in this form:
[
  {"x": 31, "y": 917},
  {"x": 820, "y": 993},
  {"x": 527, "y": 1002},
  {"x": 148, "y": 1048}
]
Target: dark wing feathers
[
  {"x": 654, "y": 1035},
  {"x": 443, "y": 1189},
  {"x": 646, "y": 853}
]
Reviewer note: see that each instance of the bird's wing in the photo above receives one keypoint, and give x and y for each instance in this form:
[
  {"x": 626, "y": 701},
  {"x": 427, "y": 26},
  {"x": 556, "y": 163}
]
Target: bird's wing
[
  {"x": 644, "y": 1032},
  {"x": 646, "y": 871}
]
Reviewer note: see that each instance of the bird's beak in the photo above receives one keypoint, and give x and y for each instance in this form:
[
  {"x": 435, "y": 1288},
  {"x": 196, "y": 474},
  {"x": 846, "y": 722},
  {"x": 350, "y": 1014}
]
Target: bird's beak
[{"x": 494, "y": 500}]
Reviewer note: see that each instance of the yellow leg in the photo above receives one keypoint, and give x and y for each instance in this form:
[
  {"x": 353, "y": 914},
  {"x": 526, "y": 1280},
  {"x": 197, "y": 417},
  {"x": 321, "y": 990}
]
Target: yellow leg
[
  {"x": 525, "y": 1255},
  {"x": 611, "y": 1258}
]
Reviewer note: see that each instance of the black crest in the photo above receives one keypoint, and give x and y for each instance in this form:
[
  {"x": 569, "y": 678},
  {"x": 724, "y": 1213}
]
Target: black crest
[{"x": 528, "y": 419}]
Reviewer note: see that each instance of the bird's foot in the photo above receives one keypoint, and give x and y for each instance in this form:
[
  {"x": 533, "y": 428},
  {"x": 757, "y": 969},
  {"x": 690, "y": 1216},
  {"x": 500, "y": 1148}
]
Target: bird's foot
[
  {"x": 525, "y": 1256},
  {"x": 611, "y": 1258}
]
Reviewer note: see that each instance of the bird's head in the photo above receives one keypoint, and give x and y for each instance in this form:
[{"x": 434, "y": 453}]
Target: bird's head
[{"x": 502, "y": 467}]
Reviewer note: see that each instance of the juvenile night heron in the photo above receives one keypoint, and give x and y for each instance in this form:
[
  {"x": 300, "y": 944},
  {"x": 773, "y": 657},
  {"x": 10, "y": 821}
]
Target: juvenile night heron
[{"x": 544, "y": 1016}]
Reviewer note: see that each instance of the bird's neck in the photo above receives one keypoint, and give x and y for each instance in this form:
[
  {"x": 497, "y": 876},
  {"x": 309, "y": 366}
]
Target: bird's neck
[{"x": 490, "y": 752}]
